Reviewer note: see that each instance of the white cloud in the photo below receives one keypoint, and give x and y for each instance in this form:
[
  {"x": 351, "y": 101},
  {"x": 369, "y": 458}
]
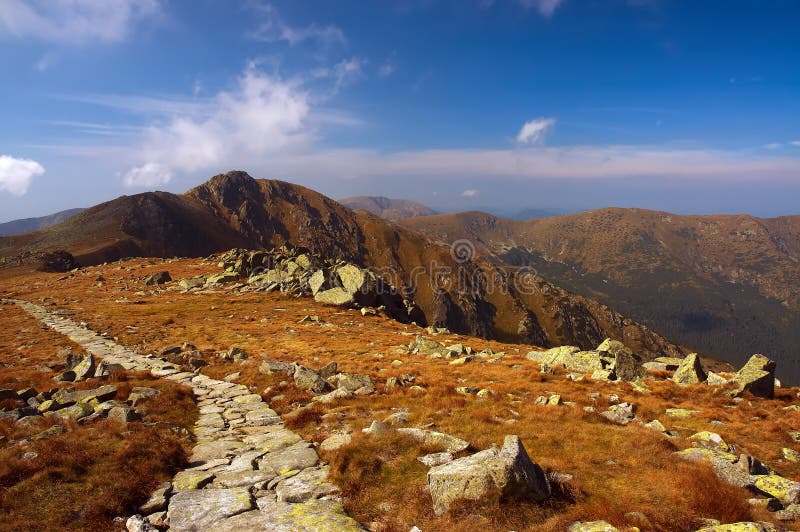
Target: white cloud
[
  {"x": 533, "y": 131},
  {"x": 16, "y": 174},
  {"x": 74, "y": 21},
  {"x": 262, "y": 116},
  {"x": 545, "y": 7},
  {"x": 795, "y": 143},
  {"x": 470, "y": 193},
  {"x": 272, "y": 28},
  {"x": 147, "y": 175}
]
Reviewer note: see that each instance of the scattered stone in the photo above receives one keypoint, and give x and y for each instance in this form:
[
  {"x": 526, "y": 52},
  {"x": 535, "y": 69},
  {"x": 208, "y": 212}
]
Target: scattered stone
[
  {"x": 790, "y": 455},
  {"x": 310, "y": 380},
  {"x": 621, "y": 414},
  {"x": 681, "y": 412},
  {"x": 376, "y": 428},
  {"x": 709, "y": 440},
  {"x": 656, "y": 425},
  {"x": 627, "y": 365},
  {"x": 785, "y": 490},
  {"x": 509, "y": 473}
]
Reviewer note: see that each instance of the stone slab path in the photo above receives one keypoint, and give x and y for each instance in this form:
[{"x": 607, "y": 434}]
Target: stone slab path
[{"x": 248, "y": 472}]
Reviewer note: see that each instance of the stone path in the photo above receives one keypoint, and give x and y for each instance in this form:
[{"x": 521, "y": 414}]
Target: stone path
[{"x": 248, "y": 472}]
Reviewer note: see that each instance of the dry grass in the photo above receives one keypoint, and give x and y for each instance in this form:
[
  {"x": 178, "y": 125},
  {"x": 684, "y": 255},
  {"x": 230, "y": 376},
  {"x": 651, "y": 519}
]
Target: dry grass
[
  {"x": 617, "y": 470},
  {"x": 84, "y": 478}
]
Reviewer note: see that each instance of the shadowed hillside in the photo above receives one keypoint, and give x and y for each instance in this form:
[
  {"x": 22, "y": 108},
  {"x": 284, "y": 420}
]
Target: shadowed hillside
[
  {"x": 235, "y": 210},
  {"x": 726, "y": 285}
]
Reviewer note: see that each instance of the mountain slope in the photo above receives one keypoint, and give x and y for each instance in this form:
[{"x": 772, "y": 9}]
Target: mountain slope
[
  {"x": 726, "y": 285},
  {"x": 26, "y": 225},
  {"x": 234, "y": 210},
  {"x": 390, "y": 209}
]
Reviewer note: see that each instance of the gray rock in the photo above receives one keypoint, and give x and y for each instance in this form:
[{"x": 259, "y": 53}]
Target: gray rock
[
  {"x": 157, "y": 279},
  {"x": 433, "y": 439},
  {"x": 297, "y": 457},
  {"x": 306, "y": 485},
  {"x": 621, "y": 414},
  {"x": 194, "y": 510},
  {"x": 509, "y": 473},
  {"x": 310, "y": 380},
  {"x": 436, "y": 459}
]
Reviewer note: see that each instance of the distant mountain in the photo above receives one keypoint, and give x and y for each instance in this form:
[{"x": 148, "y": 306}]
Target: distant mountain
[
  {"x": 728, "y": 286},
  {"x": 527, "y": 214},
  {"x": 26, "y": 225},
  {"x": 390, "y": 209},
  {"x": 235, "y": 210}
]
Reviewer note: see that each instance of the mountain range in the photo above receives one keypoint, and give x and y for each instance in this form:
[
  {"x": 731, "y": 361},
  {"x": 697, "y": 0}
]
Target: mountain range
[
  {"x": 26, "y": 225},
  {"x": 725, "y": 286},
  {"x": 234, "y": 210}
]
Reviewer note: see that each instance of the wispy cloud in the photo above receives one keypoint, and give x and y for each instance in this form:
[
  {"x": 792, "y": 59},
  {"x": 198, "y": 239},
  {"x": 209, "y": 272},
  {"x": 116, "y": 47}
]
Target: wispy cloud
[
  {"x": 544, "y": 7},
  {"x": 533, "y": 131},
  {"x": 470, "y": 193},
  {"x": 273, "y": 28},
  {"x": 147, "y": 175},
  {"x": 75, "y": 21},
  {"x": 260, "y": 117},
  {"x": 16, "y": 174}
]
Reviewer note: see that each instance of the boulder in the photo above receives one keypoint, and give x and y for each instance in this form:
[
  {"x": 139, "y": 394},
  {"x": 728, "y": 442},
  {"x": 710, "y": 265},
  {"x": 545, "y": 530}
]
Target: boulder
[
  {"x": 690, "y": 371},
  {"x": 757, "y": 376},
  {"x": 310, "y": 380},
  {"x": 157, "y": 279},
  {"x": 424, "y": 346},
  {"x": 785, "y": 490},
  {"x": 332, "y": 443},
  {"x": 436, "y": 459},
  {"x": 709, "y": 440},
  {"x": 352, "y": 382},
  {"x": 81, "y": 366},
  {"x": 621, "y": 414},
  {"x": 141, "y": 393},
  {"x": 748, "y": 526},
  {"x": 507, "y": 473},
  {"x": 627, "y": 364},
  {"x": 335, "y": 296},
  {"x": 275, "y": 366}
]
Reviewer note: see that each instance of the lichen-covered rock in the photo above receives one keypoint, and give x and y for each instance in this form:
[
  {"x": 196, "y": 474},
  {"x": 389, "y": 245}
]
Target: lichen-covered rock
[
  {"x": 277, "y": 516},
  {"x": 785, "y": 490},
  {"x": 310, "y": 380},
  {"x": 307, "y": 484},
  {"x": 81, "y": 366},
  {"x": 709, "y": 440},
  {"x": 335, "y": 442},
  {"x": 621, "y": 414},
  {"x": 436, "y": 440},
  {"x": 191, "y": 480},
  {"x": 690, "y": 371},
  {"x": 295, "y": 458},
  {"x": 436, "y": 459},
  {"x": 627, "y": 364},
  {"x": 757, "y": 376},
  {"x": 740, "y": 527},
  {"x": 194, "y": 510},
  {"x": 591, "y": 526},
  {"x": 508, "y": 472},
  {"x": 573, "y": 359},
  {"x": 425, "y": 346},
  {"x": 335, "y": 296}
]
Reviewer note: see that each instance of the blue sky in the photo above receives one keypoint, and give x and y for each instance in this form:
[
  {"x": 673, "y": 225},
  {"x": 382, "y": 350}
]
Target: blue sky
[{"x": 675, "y": 105}]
